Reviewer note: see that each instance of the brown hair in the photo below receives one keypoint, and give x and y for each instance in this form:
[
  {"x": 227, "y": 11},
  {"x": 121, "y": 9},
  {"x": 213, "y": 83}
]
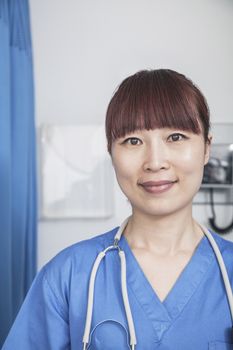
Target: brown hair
[{"x": 153, "y": 99}]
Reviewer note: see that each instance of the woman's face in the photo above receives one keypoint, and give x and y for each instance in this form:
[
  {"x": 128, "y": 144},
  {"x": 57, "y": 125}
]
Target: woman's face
[{"x": 144, "y": 159}]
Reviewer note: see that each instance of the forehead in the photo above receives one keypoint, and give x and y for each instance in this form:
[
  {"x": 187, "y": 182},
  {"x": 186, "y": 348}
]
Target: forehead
[
  {"x": 126, "y": 129},
  {"x": 149, "y": 111},
  {"x": 158, "y": 131},
  {"x": 156, "y": 100}
]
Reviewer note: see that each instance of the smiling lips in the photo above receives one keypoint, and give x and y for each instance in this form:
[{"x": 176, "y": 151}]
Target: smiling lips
[{"x": 157, "y": 186}]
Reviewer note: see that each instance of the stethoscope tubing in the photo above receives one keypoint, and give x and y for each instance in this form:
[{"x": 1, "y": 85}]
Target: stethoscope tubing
[
  {"x": 223, "y": 269},
  {"x": 101, "y": 255}
]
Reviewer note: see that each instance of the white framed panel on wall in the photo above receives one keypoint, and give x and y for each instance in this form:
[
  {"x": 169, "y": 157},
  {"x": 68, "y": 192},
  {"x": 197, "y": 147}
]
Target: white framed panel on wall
[{"x": 76, "y": 172}]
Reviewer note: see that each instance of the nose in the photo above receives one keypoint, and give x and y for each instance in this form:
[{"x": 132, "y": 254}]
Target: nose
[{"x": 156, "y": 157}]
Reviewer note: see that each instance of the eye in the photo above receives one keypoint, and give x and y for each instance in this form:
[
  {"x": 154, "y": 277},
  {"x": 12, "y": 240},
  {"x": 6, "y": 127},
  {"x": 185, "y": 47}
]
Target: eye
[
  {"x": 133, "y": 141},
  {"x": 177, "y": 137}
]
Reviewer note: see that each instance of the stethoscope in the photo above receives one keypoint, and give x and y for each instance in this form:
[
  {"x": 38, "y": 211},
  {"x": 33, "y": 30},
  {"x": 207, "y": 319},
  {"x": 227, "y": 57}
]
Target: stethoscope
[{"x": 101, "y": 255}]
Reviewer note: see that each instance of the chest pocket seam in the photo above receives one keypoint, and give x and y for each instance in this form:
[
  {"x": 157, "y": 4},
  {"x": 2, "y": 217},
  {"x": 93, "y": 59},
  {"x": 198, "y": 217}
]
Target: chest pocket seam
[{"x": 219, "y": 345}]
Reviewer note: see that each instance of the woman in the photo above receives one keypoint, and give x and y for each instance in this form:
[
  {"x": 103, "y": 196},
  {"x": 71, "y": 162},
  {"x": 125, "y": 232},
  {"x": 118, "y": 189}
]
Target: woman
[{"x": 157, "y": 129}]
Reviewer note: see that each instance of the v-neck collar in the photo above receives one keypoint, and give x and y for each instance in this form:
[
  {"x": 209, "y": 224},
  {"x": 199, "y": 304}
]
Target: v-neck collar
[{"x": 162, "y": 314}]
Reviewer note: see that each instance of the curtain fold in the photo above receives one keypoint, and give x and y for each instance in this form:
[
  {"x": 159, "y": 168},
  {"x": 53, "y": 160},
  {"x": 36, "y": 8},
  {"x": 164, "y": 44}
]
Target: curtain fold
[{"x": 18, "y": 197}]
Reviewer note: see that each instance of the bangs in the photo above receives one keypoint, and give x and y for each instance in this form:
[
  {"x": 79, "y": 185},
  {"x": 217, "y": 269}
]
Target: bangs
[{"x": 155, "y": 99}]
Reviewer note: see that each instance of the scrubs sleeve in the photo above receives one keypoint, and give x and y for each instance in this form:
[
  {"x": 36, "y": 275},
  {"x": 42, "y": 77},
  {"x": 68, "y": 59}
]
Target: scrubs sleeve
[{"x": 42, "y": 322}]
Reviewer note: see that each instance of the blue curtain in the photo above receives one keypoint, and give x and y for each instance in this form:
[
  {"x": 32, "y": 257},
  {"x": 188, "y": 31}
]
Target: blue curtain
[{"x": 18, "y": 200}]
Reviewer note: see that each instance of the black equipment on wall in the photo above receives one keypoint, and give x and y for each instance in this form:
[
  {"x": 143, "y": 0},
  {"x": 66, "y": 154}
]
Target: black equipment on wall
[{"x": 212, "y": 220}]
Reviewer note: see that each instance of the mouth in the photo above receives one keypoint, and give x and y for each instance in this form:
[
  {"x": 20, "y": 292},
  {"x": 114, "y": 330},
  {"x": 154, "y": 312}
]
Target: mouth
[{"x": 156, "y": 187}]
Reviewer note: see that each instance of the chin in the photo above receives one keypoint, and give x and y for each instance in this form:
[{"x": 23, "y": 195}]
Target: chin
[
  {"x": 150, "y": 211},
  {"x": 163, "y": 208}
]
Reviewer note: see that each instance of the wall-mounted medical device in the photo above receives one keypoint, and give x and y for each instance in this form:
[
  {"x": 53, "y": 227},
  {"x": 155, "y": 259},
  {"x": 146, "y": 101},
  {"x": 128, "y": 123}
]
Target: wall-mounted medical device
[
  {"x": 217, "y": 180},
  {"x": 218, "y": 171}
]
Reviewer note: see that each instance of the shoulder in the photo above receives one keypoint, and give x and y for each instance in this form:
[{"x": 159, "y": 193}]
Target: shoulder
[
  {"x": 225, "y": 245},
  {"x": 79, "y": 256},
  {"x": 226, "y": 249}
]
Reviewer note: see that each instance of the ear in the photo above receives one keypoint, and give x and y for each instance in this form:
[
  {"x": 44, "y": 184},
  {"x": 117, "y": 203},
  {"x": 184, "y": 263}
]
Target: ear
[{"x": 207, "y": 148}]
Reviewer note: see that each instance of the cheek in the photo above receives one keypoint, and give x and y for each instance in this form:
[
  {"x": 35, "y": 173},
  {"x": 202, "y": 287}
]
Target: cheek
[
  {"x": 124, "y": 174},
  {"x": 125, "y": 167},
  {"x": 192, "y": 160}
]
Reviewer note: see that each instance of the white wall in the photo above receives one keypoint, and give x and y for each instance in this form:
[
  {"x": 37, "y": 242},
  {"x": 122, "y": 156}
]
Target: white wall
[{"x": 82, "y": 51}]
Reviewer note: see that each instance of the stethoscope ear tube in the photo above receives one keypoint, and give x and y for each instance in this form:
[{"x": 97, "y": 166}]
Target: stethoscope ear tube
[
  {"x": 94, "y": 271},
  {"x": 133, "y": 340},
  {"x": 222, "y": 269},
  {"x": 87, "y": 330}
]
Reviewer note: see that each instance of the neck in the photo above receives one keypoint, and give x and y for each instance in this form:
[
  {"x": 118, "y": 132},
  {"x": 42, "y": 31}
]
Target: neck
[{"x": 163, "y": 235}]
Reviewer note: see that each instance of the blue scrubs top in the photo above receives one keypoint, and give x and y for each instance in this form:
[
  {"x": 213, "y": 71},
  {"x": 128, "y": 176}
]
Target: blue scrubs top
[{"x": 194, "y": 315}]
